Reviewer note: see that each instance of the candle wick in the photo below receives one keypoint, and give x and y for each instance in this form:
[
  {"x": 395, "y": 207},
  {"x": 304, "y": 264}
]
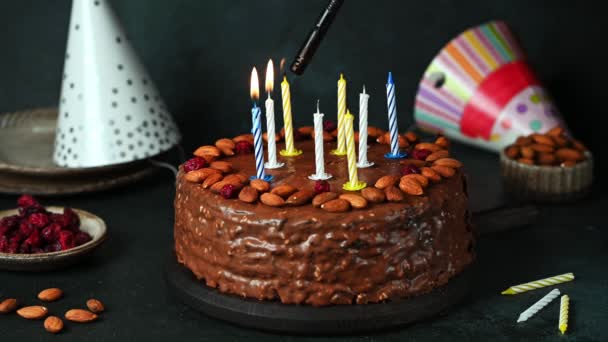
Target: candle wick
[
  {"x": 317, "y": 105},
  {"x": 364, "y": 89}
]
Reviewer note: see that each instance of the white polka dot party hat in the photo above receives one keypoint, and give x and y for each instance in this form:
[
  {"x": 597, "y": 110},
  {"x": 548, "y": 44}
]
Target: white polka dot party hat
[
  {"x": 480, "y": 90},
  {"x": 110, "y": 112}
]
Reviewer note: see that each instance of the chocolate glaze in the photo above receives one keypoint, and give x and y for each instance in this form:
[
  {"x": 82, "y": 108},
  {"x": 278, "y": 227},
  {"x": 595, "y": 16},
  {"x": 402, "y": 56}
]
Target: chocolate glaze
[{"x": 304, "y": 255}]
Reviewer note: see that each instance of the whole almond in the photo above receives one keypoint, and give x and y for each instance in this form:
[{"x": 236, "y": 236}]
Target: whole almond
[
  {"x": 209, "y": 181},
  {"x": 542, "y": 148},
  {"x": 356, "y": 201},
  {"x": 277, "y": 138},
  {"x": 449, "y": 162},
  {"x": 374, "y": 132},
  {"x": 444, "y": 171},
  {"x": 248, "y": 195},
  {"x": 546, "y": 159},
  {"x": 569, "y": 154},
  {"x": 227, "y": 151},
  {"x": 33, "y": 312},
  {"x": 53, "y": 324},
  {"x": 356, "y": 135},
  {"x": 430, "y": 174},
  {"x": 373, "y": 195},
  {"x": 442, "y": 142},
  {"x": 334, "y": 133},
  {"x": 327, "y": 137},
  {"x": 243, "y": 137},
  {"x": 560, "y": 141},
  {"x": 323, "y": 197},
  {"x": 260, "y": 185},
  {"x": 80, "y": 316},
  {"x": 337, "y": 205},
  {"x": 512, "y": 151},
  {"x": 272, "y": 200},
  {"x": 8, "y": 305},
  {"x": 284, "y": 190},
  {"x": 300, "y": 197},
  {"x": 415, "y": 162},
  {"x": 410, "y": 186},
  {"x": 524, "y": 141},
  {"x": 207, "y": 150},
  {"x": 223, "y": 166},
  {"x": 50, "y": 295},
  {"x": 386, "y": 181},
  {"x": 527, "y": 152},
  {"x": 236, "y": 178},
  {"x": 411, "y": 137},
  {"x": 95, "y": 305},
  {"x": 437, "y": 155},
  {"x": 428, "y": 146},
  {"x": 217, "y": 187},
  {"x": 418, "y": 178},
  {"x": 393, "y": 194},
  {"x": 403, "y": 143},
  {"x": 556, "y": 131},
  {"x": 198, "y": 176},
  {"x": 527, "y": 161},
  {"x": 384, "y": 138},
  {"x": 543, "y": 140},
  {"x": 306, "y": 130},
  {"x": 225, "y": 143}
]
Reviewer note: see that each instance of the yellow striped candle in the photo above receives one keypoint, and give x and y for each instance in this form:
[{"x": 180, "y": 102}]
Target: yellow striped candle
[
  {"x": 537, "y": 284},
  {"x": 353, "y": 183},
  {"x": 341, "y": 150},
  {"x": 290, "y": 150},
  {"x": 564, "y": 307}
]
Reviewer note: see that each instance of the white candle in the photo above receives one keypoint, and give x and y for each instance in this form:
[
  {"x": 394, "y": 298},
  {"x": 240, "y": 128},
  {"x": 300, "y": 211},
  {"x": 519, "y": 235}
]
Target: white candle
[
  {"x": 536, "y": 307},
  {"x": 272, "y": 144},
  {"x": 363, "y": 99},
  {"x": 319, "y": 151}
]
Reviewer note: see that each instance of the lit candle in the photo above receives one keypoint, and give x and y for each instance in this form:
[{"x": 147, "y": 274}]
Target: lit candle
[
  {"x": 341, "y": 149},
  {"x": 392, "y": 120},
  {"x": 353, "y": 183},
  {"x": 289, "y": 150},
  {"x": 536, "y": 307},
  {"x": 256, "y": 117},
  {"x": 363, "y": 99},
  {"x": 272, "y": 144},
  {"x": 319, "y": 158}
]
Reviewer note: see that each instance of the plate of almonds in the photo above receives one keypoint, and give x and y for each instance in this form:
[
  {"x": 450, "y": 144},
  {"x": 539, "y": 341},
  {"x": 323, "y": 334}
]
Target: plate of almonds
[{"x": 37, "y": 238}]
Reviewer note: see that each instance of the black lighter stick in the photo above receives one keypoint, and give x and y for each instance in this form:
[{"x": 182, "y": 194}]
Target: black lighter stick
[{"x": 310, "y": 45}]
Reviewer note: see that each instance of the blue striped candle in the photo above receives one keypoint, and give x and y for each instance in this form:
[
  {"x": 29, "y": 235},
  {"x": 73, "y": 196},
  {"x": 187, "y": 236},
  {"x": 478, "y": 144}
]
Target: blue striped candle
[
  {"x": 392, "y": 120},
  {"x": 256, "y": 117}
]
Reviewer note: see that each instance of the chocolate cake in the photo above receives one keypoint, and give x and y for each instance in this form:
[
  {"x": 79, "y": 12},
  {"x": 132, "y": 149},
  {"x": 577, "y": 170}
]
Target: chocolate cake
[{"x": 279, "y": 241}]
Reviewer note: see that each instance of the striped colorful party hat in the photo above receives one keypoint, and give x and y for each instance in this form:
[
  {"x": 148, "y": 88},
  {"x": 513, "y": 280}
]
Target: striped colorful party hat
[{"x": 480, "y": 90}]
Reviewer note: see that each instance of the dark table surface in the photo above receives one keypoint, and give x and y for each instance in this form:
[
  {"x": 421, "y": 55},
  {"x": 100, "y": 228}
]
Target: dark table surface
[{"x": 127, "y": 274}]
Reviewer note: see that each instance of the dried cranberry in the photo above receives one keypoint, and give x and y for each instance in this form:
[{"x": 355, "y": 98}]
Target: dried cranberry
[
  {"x": 195, "y": 164},
  {"x": 25, "y": 248},
  {"x": 81, "y": 238},
  {"x": 27, "y": 211},
  {"x": 329, "y": 126},
  {"x": 8, "y": 223},
  {"x": 50, "y": 233},
  {"x": 3, "y": 244},
  {"x": 321, "y": 186},
  {"x": 38, "y": 220},
  {"x": 72, "y": 222},
  {"x": 243, "y": 147},
  {"x": 53, "y": 247},
  {"x": 27, "y": 201},
  {"x": 26, "y": 228},
  {"x": 66, "y": 239},
  {"x": 228, "y": 191},
  {"x": 409, "y": 169},
  {"x": 34, "y": 239},
  {"x": 421, "y": 154},
  {"x": 36, "y": 250}
]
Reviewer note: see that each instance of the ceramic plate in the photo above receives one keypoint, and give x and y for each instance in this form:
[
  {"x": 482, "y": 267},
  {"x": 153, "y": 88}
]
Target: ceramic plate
[{"x": 48, "y": 261}]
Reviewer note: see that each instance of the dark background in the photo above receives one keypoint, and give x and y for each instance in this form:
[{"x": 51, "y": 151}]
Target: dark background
[{"x": 200, "y": 54}]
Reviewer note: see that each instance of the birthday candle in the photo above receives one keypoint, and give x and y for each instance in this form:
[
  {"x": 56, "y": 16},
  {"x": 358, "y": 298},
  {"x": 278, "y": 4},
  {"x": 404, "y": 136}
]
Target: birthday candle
[
  {"x": 353, "y": 183},
  {"x": 392, "y": 119},
  {"x": 363, "y": 99},
  {"x": 341, "y": 149},
  {"x": 289, "y": 150},
  {"x": 536, "y": 307},
  {"x": 564, "y": 307},
  {"x": 272, "y": 144},
  {"x": 256, "y": 117},
  {"x": 319, "y": 158},
  {"x": 537, "y": 284}
]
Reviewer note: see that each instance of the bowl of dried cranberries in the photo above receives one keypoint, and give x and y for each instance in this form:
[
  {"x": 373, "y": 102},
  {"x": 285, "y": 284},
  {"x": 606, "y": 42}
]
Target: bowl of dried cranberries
[{"x": 37, "y": 238}]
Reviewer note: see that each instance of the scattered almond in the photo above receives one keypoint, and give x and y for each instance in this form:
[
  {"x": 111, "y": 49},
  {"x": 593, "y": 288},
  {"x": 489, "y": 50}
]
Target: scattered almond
[
  {"x": 306, "y": 130},
  {"x": 393, "y": 194},
  {"x": 334, "y": 133},
  {"x": 8, "y": 305},
  {"x": 207, "y": 150},
  {"x": 53, "y": 324},
  {"x": 327, "y": 137},
  {"x": 418, "y": 178},
  {"x": 384, "y": 138},
  {"x": 411, "y": 137},
  {"x": 356, "y": 201},
  {"x": 284, "y": 190},
  {"x": 223, "y": 166},
  {"x": 373, "y": 195},
  {"x": 212, "y": 179},
  {"x": 337, "y": 205},
  {"x": 236, "y": 178},
  {"x": 50, "y": 295},
  {"x": 410, "y": 186},
  {"x": 277, "y": 138},
  {"x": 243, "y": 137},
  {"x": 428, "y": 146},
  {"x": 403, "y": 143},
  {"x": 260, "y": 185},
  {"x": 442, "y": 142},
  {"x": 374, "y": 132},
  {"x": 437, "y": 155},
  {"x": 449, "y": 162},
  {"x": 323, "y": 197},
  {"x": 444, "y": 171},
  {"x": 217, "y": 187},
  {"x": 564, "y": 154},
  {"x": 95, "y": 305},
  {"x": 386, "y": 181},
  {"x": 33, "y": 312},
  {"x": 272, "y": 200},
  {"x": 300, "y": 197},
  {"x": 226, "y": 146},
  {"x": 198, "y": 176},
  {"x": 248, "y": 195},
  {"x": 80, "y": 316}
]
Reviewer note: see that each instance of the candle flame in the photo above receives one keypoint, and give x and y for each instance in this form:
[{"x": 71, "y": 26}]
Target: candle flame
[
  {"x": 282, "y": 65},
  {"x": 269, "y": 77},
  {"x": 255, "y": 85}
]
